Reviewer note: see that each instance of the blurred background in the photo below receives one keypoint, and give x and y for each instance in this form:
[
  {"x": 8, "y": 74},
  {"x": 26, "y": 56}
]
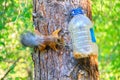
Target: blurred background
[{"x": 16, "y": 17}]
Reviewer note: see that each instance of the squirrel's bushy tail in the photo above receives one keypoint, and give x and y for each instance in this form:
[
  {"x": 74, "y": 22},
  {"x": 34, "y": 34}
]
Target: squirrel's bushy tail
[{"x": 29, "y": 39}]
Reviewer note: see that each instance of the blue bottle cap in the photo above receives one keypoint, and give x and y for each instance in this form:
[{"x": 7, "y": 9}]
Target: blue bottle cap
[{"x": 76, "y": 11}]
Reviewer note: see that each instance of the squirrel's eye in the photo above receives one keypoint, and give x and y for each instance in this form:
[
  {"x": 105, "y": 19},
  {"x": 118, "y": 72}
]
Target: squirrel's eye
[{"x": 58, "y": 40}]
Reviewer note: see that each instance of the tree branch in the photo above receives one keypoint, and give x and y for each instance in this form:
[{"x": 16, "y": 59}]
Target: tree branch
[{"x": 10, "y": 68}]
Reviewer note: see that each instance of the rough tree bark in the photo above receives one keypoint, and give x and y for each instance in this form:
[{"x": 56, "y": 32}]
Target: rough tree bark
[{"x": 49, "y": 15}]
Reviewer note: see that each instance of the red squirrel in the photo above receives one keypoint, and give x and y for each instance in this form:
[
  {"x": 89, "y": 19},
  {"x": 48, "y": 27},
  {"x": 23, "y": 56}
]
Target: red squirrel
[{"x": 31, "y": 40}]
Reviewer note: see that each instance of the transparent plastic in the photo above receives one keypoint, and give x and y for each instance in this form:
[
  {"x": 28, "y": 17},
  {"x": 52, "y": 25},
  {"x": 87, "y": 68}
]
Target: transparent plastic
[{"x": 79, "y": 28}]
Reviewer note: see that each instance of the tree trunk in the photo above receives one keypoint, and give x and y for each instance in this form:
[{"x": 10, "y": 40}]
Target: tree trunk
[{"x": 49, "y": 15}]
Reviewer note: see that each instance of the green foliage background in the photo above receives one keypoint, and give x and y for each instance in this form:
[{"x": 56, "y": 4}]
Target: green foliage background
[{"x": 16, "y": 16}]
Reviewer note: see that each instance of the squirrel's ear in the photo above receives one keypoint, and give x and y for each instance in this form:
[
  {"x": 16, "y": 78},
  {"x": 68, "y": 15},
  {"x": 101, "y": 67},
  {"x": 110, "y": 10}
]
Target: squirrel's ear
[
  {"x": 37, "y": 32},
  {"x": 55, "y": 33}
]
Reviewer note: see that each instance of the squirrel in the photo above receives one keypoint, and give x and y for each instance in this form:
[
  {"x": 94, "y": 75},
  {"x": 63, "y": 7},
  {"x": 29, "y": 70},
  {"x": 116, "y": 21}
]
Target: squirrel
[{"x": 30, "y": 39}]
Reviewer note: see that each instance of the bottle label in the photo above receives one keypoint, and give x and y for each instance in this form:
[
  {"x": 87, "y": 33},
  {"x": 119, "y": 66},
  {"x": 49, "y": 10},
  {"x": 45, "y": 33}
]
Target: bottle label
[{"x": 92, "y": 35}]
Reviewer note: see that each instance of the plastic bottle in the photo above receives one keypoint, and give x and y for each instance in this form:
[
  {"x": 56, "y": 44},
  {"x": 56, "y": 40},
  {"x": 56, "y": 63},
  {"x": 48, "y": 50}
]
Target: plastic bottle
[{"x": 82, "y": 35}]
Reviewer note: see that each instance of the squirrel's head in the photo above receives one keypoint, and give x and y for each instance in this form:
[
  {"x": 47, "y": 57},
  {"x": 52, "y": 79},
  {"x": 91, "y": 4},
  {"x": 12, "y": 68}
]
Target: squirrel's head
[{"x": 59, "y": 41}]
